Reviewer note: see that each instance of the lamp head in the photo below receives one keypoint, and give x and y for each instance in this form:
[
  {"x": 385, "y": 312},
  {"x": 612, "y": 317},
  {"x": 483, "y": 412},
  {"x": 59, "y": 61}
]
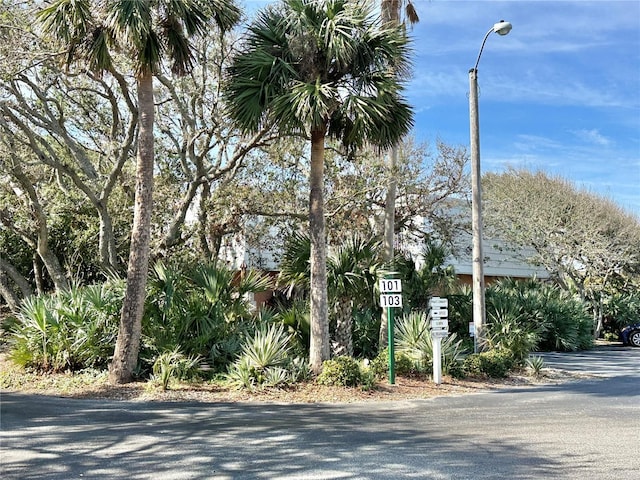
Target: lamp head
[{"x": 502, "y": 27}]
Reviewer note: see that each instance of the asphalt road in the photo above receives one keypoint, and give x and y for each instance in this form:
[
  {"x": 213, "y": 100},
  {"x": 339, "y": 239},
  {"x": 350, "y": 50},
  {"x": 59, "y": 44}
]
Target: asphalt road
[{"x": 580, "y": 430}]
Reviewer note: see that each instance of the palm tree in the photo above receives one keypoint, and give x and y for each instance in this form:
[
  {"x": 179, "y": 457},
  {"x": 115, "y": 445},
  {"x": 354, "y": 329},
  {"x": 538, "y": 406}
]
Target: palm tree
[
  {"x": 148, "y": 32},
  {"x": 352, "y": 275},
  {"x": 321, "y": 68}
]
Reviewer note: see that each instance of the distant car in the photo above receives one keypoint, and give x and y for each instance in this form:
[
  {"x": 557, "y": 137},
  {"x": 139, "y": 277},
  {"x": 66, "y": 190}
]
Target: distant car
[{"x": 631, "y": 335}]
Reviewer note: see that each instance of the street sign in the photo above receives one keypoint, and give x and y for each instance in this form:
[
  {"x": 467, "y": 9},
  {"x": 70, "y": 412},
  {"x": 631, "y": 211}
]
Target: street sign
[
  {"x": 439, "y": 313},
  {"x": 392, "y": 300},
  {"x": 390, "y": 285},
  {"x": 437, "y": 302},
  {"x": 440, "y": 324},
  {"x": 439, "y": 333}
]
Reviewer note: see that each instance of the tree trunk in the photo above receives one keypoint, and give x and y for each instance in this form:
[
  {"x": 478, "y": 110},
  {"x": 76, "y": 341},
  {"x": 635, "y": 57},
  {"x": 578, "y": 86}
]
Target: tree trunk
[
  {"x": 320, "y": 348},
  {"x": 343, "y": 337},
  {"x": 125, "y": 356},
  {"x": 203, "y": 224},
  {"x": 599, "y": 317},
  {"x": 16, "y": 277},
  {"x": 51, "y": 262},
  {"x": 173, "y": 236},
  {"x": 38, "y": 275},
  {"x": 8, "y": 293}
]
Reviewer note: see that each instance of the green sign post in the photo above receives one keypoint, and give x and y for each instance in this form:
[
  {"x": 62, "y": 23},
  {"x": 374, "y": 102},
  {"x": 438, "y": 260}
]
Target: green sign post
[
  {"x": 391, "y": 298},
  {"x": 392, "y": 357}
]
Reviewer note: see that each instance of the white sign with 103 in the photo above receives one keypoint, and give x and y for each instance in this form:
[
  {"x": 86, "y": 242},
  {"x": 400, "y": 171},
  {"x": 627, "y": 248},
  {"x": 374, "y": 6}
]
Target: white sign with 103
[{"x": 393, "y": 300}]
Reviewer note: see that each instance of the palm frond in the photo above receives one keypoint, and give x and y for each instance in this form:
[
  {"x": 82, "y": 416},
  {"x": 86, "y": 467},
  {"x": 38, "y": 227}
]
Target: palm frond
[
  {"x": 90, "y": 30},
  {"x": 410, "y": 13},
  {"x": 295, "y": 267},
  {"x": 215, "y": 282},
  {"x": 253, "y": 281},
  {"x": 68, "y": 20},
  {"x": 225, "y": 13},
  {"x": 178, "y": 46}
]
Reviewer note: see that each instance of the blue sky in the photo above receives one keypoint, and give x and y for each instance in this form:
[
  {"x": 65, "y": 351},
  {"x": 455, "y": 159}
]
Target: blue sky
[{"x": 560, "y": 93}]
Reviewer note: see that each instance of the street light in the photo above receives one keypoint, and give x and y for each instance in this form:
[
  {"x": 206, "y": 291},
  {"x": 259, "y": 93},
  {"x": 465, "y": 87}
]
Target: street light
[{"x": 479, "y": 310}]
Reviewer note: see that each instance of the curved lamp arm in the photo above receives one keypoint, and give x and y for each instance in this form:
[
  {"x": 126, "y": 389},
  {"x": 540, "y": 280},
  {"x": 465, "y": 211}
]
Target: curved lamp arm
[{"x": 501, "y": 28}]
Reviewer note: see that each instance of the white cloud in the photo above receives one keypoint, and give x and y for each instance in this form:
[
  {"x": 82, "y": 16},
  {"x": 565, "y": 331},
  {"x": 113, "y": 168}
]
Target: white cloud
[
  {"x": 593, "y": 136},
  {"x": 528, "y": 143}
]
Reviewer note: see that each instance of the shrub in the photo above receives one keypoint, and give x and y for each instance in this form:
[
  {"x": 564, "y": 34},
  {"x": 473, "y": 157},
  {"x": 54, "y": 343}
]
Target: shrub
[
  {"x": 461, "y": 311},
  {"x": 340, "y": 371},
  {"x": 535, "y": 365},
  {"x": 264, "y": 360},
  {"x": 621, "y": 309},
  {"x": 174, "y": 365},
  {"x": 201, "y": 310},
  {"x": 366, "y": 329},
  {"x": 511, "y": 325},
  {"x": 492, "y": 364},
  {"x": 414, "y": 340},
  {"x": 524, "y": 316},
  {"x": 295, "y": 318},
  {"x": 412, "y": 335},
  {"x": 368, "y": 379},
  {"x": 379, "y": 366},
  {"x": 404, "y": 365},
  {"x": 68, "y": 330},
  {"x": 300, "y": 369}
]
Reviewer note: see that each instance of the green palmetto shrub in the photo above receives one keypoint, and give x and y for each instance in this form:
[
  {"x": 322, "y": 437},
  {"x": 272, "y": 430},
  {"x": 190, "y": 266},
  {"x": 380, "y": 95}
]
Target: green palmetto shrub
[
  {"x": 96, "y": 334},
  {"x": 569, "y": 324},
  {"x": 31, "y": 332},
  {"x": 351, "y": 267},
  {"x": 295, "y": 318},
  {"x": 460, "y": 310},
  {"x": 508, "y": 330},
  {"x": 264, "y": 360},
  {"x": 366, "y": 329},
  {"x": 173, "y": 365},
  {"x": 204, "y": 311},
  {"x": 621, "y": 309},
  {"x": 69, "y": 330},
  {"x": 533, "y": 315},
  {"x": 535, "y": 364},
  {"x": 413, "y": 339}
]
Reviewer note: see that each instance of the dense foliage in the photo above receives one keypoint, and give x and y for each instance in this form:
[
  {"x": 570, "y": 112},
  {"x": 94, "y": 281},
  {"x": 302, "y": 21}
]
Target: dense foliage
[
  {"x": 524, "y": 316},
  {"x": 202, "y": 312},
  {"x": 69, "y": 330},
  {"x": 587, "y": 243}
]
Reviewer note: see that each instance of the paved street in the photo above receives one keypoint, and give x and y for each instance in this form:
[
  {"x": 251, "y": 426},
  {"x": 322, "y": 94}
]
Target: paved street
[{"x": 580, "y": 430}]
